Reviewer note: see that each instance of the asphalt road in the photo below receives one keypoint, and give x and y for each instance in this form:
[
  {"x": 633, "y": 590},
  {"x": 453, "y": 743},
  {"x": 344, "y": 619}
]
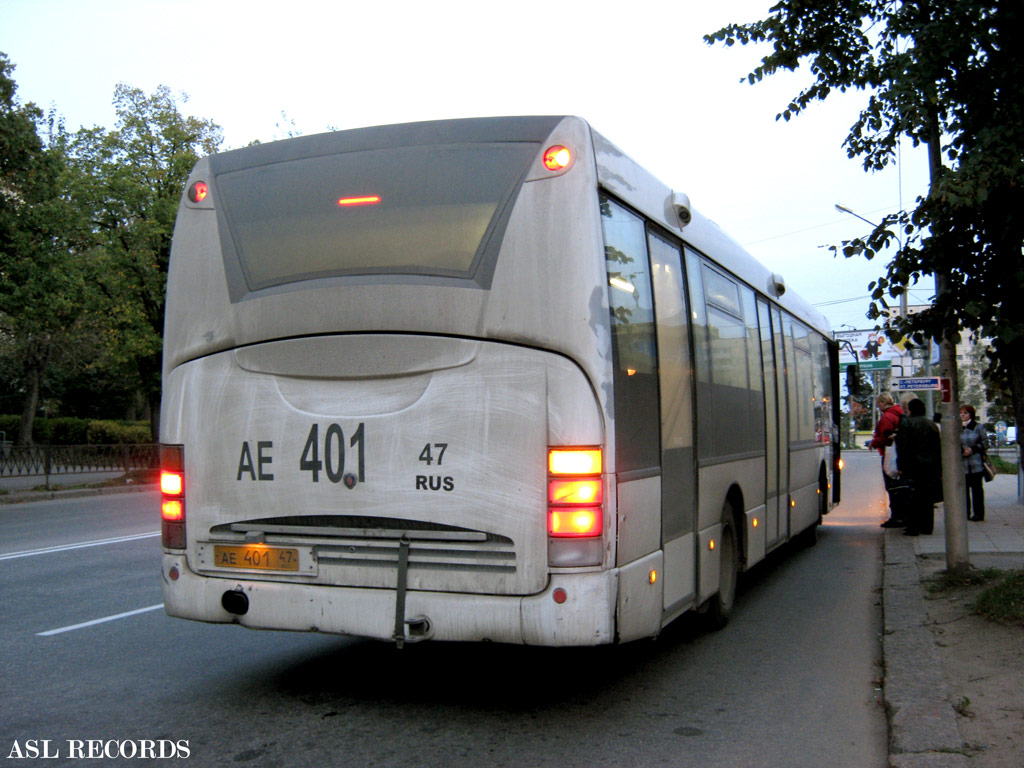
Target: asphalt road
[{"x": 89, "y": 659}]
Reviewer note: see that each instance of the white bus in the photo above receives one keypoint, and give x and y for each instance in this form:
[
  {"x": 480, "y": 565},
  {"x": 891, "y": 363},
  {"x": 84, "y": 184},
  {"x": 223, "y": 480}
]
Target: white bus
[{"x": 474, "y": 380}]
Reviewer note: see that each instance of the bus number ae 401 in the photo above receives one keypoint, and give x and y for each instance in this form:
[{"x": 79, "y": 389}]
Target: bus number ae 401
[
  {"x": 333, "y": 463},
  {"x": 343, "y": 459},
  {"x": 328, "y": 456}
]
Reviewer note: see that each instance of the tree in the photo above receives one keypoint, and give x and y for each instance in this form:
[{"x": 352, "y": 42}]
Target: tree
[
  {"x": 133, "y": 177},
  {"x": 42, "y": 275},
  {"x": 949, "y": 76}
]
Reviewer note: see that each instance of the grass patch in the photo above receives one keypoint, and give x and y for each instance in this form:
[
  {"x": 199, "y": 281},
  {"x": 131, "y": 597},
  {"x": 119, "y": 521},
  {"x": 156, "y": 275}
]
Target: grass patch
[
  {"x": 1004, "y": 601},
  {"x": 945, "y": 581},
  {"x": 1002, "y": 466}
]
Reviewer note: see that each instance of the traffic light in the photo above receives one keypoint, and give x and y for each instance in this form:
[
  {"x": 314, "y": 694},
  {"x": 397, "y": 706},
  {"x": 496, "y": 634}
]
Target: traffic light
[{"x": 854, "y": 383}]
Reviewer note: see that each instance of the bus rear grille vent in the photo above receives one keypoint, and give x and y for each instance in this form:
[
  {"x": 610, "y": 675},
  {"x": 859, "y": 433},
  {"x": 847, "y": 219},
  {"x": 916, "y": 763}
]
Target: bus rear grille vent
[{"x": 352, "y": 540}]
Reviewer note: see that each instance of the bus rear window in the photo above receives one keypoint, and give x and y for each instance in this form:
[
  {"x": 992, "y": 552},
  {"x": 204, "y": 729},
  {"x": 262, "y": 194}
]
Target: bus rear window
[{"x": 408, "y": 210}]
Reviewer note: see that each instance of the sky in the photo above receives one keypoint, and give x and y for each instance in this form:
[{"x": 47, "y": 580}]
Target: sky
[{"x": 639, "y": 72}]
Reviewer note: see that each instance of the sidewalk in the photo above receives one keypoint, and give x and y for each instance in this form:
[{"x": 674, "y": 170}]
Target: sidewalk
[{"x": 923, "y": 725}]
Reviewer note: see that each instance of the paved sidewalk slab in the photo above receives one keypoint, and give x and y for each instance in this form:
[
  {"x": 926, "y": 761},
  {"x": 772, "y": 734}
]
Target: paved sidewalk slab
[{"x": 922, "y": 722}]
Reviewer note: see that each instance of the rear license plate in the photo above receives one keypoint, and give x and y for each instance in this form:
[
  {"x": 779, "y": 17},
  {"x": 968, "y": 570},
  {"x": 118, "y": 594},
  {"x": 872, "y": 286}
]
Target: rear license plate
[{"x": 256, "y": 557}]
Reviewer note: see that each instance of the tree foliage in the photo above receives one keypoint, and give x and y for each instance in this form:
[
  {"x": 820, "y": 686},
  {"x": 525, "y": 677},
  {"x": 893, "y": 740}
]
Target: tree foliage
[
  {"x": 43, "y": 279},
  {"x": 86, "y": 221},
  {"x": 949, "y": 76},
  {"x": 131, "y": 182}
]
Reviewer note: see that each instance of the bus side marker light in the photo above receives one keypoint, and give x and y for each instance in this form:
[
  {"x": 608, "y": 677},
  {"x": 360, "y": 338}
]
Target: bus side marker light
[
  {"x": 755, "y": 522},
  {"x": 557, "y": 158},
  {"x": 652, "y": 577},
  {"x": 173, "y": 574},
  {"x": 711, "y": 545},
  {"x": 559, "y": 596}
]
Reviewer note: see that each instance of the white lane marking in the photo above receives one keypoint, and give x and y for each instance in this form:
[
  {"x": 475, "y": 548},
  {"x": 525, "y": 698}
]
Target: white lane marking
[
  {"x": 79, "y": 545},
  {"x": 105, "y": 619}
]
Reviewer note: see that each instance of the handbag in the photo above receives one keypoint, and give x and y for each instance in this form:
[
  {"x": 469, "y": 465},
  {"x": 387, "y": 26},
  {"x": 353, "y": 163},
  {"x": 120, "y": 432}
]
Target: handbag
[
  {"x": 889, "y": 462},
  {"x": 987, "y": 469}
]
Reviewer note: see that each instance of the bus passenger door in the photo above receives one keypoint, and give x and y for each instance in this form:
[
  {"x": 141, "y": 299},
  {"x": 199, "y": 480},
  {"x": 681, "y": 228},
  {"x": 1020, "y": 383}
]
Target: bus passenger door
[
  {"x": 776, "y": 423},
  {"x": 678, "y": 467}
]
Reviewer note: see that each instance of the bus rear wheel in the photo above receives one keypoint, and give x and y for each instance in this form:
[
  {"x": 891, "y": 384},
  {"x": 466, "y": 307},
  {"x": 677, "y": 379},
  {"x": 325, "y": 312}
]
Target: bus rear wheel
[{"x": 720, "y": 605}]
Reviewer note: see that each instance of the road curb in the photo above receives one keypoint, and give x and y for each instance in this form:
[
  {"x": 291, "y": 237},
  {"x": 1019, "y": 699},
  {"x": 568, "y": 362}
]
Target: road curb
[
  {"x": 22, "y": 497},
  {"x": 923, "y": 731}
]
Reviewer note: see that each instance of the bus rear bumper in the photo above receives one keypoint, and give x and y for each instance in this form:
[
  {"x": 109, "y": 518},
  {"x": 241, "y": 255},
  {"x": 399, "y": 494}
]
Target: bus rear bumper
[{"x": 585, "y": 617}]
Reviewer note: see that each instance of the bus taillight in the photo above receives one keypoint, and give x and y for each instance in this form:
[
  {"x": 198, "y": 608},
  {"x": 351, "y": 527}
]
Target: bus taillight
[
  {"x": 574, "y": 503},
  {"x": 557, "y": 158},
  {"x": 171, "y": 483},
  {"x": 172, "y": 491},
  {"x": 567, "y": 522},
  {"x": 198, "y": 192},
  {"x": 575, "y": 491},
  {"x": 347, "y": 202},
  {"x": 574, "y": 461}
]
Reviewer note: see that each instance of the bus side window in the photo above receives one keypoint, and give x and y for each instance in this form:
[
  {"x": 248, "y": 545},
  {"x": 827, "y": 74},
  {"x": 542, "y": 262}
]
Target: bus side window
[
  {"x": 637, "y": 433},
  {"x": 701, "y": 355},
  {"x": 735, "y": 397}
]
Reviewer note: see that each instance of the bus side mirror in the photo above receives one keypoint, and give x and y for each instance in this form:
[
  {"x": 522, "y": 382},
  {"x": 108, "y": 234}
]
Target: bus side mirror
[{"x": 853, "y": 382}]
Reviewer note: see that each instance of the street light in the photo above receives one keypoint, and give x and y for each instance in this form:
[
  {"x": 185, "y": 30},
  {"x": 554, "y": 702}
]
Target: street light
[
  {"x": 844, "y": 209},
  {"x": 903, "y": 296}
]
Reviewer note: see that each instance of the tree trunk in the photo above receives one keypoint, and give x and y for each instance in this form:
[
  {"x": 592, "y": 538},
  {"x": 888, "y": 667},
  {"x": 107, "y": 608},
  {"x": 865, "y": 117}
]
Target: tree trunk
[
  {"x": 154, "y": 415},
  {"x": 954, "y": 501},
  {"x": 953, "y": 482},
  {"x": 28, "y": 411}
]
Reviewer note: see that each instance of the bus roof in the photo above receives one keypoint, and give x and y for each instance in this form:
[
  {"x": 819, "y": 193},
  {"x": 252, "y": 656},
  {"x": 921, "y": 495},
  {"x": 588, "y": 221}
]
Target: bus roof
[{"x": 616, "y": 172}]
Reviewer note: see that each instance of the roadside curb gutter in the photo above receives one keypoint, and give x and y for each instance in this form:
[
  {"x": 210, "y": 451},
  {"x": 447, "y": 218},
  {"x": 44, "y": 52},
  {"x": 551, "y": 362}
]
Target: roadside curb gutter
[
  {"x": 21, "y": 497},
  {"x": 923, "y": 731}
]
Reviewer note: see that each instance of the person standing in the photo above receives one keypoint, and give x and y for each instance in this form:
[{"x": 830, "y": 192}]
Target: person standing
[
  {"x": 973, "y": 445},
  {"x": 887, "y": 425},
  {"x": 919, "y": 458}
]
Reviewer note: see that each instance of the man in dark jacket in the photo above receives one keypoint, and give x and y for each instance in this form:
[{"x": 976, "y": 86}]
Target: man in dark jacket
[
  {"x": 919, "y": 459},
  {"x": 887, "y": 425}
]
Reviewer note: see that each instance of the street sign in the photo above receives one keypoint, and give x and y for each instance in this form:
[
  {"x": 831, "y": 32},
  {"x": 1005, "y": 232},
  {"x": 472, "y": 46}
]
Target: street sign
[
  {"x": 917, "y": 384},
  {"x": 870, "y": 365}
]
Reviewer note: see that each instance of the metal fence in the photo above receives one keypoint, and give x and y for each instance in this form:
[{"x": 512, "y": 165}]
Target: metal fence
[{"x": 47, "y": 460}]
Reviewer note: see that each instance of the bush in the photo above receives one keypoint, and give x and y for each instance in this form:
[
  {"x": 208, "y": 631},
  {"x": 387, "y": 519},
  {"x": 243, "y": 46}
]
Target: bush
[
  {"x": 67, "y": 430},
  {"x": 117, "y": 433},
  {"x": 9, "y": 425}
]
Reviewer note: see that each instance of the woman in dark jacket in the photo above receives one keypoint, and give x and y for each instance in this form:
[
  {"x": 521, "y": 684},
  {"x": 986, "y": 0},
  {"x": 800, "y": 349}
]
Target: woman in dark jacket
[{"x": 973, "y": 447}]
